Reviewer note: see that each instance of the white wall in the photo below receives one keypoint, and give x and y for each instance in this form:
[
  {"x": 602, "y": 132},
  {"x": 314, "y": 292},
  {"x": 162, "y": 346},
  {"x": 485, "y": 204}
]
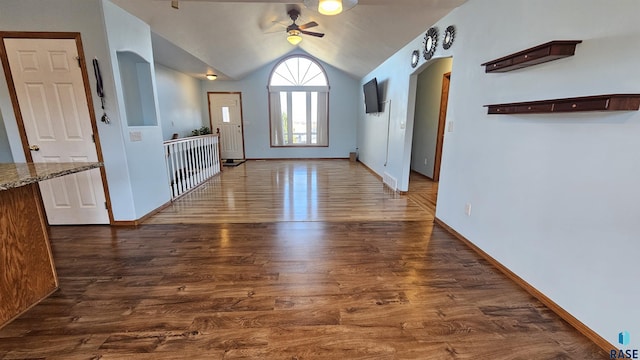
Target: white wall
[
  {"x": 85, "y": 17},
  {"x": 343, "y": 109},
  {"x": 427, "y": 116},
  {"x": 554, "y": 197},
  {"x": 34, "y": 15},
  {"x": 145, "y": 158},
  {"x": 179, "y": 99}
]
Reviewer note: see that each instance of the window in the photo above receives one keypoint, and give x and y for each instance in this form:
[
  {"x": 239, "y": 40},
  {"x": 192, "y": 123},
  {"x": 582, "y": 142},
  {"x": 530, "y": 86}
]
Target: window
[
  {"x": 298, "y": 102},
  {"x": 225, "y": 115}
]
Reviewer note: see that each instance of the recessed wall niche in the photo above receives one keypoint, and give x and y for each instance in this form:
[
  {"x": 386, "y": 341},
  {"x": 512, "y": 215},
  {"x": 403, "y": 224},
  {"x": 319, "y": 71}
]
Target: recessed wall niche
[{"x": 137, "y": 88}]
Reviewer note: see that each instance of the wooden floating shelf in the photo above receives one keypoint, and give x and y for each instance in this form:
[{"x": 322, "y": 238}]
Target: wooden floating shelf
[
  {"x": 613, "y": 102},
  {"x": 550, "y": 51}
]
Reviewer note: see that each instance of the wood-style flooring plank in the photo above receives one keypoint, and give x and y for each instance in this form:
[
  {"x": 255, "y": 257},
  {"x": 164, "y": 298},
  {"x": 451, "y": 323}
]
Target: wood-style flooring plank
[
  {"x": 310, "y": 190},
  {"x": 304, "y": 288}
]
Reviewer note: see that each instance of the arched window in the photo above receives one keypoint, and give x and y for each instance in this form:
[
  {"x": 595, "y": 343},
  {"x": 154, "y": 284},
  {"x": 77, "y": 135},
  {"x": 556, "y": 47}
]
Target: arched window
[{"x": 298, "y": 103}]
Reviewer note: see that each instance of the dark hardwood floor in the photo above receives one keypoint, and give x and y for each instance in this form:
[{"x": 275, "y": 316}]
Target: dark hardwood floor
[{"x": 305, "y": 288}]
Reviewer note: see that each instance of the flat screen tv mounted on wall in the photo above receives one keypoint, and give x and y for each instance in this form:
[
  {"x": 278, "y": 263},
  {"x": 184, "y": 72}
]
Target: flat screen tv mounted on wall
[{"x": 371, "y": 102}]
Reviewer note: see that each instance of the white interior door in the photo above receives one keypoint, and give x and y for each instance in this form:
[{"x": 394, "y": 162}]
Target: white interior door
[
  {"x": 225, "y": 111},
  {"x": 50, "y": 89}
]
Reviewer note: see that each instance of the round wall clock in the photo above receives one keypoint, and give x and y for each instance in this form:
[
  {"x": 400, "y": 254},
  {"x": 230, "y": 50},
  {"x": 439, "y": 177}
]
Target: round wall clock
[
  {"x": 415, "y": 57},
  {"x": 449, "y": 36},
  {"x": 430, "y": 43}
]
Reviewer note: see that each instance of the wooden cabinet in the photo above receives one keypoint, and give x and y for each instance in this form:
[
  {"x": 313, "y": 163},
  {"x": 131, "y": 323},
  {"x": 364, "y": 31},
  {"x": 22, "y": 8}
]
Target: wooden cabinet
[
  {"x": 552, "y": 50},
  {"x": 28, "y": 274},
  {"x": 27, "y": 271},
  {"x": 613, "y": 102}
]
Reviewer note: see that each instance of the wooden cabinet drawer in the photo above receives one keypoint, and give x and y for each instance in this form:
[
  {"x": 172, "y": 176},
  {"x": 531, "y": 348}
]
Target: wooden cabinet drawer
[{"x": 581, "y": 105}]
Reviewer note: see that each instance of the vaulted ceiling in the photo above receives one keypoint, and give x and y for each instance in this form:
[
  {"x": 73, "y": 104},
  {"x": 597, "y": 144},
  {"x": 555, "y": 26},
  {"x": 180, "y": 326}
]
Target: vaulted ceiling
[{"x": 236, "y": 37}]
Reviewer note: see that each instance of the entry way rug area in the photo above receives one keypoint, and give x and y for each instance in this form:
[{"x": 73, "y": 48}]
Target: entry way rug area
[{"x": 232, "y": 162}]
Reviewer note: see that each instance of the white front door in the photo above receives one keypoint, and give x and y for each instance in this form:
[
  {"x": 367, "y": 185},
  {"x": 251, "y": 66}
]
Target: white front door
[
  {"x": 225, "y": 112},
  {"x": 50, "y": 89}
]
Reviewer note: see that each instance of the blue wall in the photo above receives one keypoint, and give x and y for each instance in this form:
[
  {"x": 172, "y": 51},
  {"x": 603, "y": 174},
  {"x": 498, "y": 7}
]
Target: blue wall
[
  {"x": 554, "y": 197},
  {"x": 343, "y": 109},
  {"x": 5, "y": 149},
  {"x": 145, "y": 158},
  {"x": 179, "y": 101}
]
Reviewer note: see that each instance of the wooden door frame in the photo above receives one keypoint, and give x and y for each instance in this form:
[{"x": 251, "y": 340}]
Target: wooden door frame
[
  {"x": 442, "y": 120},
  {"x": 87, "y": 91},
  {"x": 244, "y": 155}
]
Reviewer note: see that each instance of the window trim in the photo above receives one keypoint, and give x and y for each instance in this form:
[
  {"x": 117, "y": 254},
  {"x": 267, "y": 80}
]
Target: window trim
[{"x": 277, "y": 88}]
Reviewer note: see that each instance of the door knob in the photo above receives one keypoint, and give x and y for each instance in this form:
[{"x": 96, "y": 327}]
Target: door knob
[{"x": 34, "y": 148}]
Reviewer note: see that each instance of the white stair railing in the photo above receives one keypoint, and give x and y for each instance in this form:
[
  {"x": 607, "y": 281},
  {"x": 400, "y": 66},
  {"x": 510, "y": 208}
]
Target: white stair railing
[{"x": 191, "y": 161}]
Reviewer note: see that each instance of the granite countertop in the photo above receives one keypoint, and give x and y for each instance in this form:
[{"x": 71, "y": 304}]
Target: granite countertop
[{"x": 14, "y": 175}]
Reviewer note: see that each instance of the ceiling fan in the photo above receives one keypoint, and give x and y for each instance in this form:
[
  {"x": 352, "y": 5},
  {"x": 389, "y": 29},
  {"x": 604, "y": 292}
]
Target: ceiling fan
[{"x": 294, "y": 30}]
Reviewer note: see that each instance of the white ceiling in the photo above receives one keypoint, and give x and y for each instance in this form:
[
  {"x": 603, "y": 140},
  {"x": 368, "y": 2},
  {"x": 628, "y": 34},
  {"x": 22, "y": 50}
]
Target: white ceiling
[{"x": 236, "y": 37}]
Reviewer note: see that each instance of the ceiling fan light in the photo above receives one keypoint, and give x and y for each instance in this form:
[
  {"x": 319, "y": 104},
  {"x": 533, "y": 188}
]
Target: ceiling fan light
[
  {"x": 294, "y": 37},
  {"x": 330, "y": 7},
  {"x": 212, "y": 76}
]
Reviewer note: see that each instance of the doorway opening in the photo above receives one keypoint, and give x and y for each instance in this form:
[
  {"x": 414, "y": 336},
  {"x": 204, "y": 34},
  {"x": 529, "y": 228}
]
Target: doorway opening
[
  {"x": 432, "y": 95},
  {"x": 48, "y": 84},
  {"x": 225, "y": 118}
]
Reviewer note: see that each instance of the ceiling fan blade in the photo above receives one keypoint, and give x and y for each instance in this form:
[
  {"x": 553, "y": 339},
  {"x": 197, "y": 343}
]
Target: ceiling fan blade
[
  {"x": 273, "y": 32},
  {"x": 316, "y": 34},
  {"x": 308, "y": 25}
]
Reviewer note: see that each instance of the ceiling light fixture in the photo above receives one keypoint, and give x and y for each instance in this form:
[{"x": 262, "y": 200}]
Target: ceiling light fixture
[
  {"x": 330, "y": 7},
  {"x": 212, "y": 76},
  {"x": 294, "y": 37}
]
